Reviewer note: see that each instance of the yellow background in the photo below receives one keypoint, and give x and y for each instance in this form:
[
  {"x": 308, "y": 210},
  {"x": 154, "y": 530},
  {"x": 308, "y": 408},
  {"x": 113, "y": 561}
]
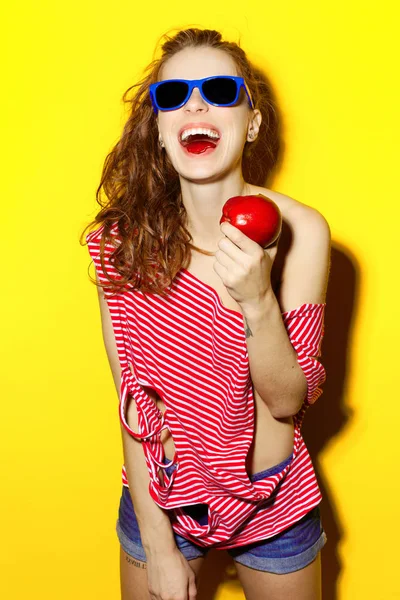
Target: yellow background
[{"x": 335, "y": 72}]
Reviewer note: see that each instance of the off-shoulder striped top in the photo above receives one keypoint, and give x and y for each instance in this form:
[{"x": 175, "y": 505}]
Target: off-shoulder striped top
[{"x": 192, "y": 351}]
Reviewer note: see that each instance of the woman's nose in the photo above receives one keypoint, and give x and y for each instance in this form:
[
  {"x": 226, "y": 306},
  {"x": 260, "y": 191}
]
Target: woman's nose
[{"x": 195, "y": 100}]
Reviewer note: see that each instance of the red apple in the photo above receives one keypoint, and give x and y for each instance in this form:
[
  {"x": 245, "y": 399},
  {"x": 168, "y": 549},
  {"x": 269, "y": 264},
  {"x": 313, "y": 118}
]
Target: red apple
[{"x": 256, "y": 216}]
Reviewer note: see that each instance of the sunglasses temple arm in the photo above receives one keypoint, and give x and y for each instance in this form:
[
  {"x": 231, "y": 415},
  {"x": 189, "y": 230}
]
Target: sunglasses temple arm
[{"x": 248, "y": 94}]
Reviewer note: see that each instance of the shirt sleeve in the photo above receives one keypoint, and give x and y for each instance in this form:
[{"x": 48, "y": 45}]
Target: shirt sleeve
[
  {"x": 305, "y": 327},
  {"x": 93, "y": 240}
]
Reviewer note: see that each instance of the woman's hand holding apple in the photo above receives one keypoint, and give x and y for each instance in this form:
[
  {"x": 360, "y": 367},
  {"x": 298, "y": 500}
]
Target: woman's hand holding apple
[
  {"x": 244, "y": 267},
  {"x": 243, "y": 264}
]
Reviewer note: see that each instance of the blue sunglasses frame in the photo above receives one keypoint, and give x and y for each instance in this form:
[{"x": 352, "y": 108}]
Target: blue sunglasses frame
[{"x": 192, "y": 83}]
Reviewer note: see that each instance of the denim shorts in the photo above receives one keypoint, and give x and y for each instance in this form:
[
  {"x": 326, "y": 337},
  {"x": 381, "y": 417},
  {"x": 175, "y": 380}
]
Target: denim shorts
[{"x": 289, "y": 550}]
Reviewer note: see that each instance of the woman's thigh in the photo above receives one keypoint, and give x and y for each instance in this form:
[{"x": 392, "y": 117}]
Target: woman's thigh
[
  {"x": 304, "y": 584},
  {"x": 133, "y": 576},
  {"x": 287, "y": 562},
  {"x": 133, "y": 568}
]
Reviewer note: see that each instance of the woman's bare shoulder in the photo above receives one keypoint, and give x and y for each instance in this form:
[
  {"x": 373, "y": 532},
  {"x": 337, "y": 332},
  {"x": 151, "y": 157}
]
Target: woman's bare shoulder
[{"x": 286, "y": 204}]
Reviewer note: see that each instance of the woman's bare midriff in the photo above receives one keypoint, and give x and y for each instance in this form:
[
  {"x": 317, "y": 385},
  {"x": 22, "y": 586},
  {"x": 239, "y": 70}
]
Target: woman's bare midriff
[{"x": 272, "y": 443}]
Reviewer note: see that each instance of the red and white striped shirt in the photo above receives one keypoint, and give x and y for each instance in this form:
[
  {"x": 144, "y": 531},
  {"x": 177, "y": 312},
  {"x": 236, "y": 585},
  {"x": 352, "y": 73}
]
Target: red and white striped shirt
[{"x": 192, "y": 351}]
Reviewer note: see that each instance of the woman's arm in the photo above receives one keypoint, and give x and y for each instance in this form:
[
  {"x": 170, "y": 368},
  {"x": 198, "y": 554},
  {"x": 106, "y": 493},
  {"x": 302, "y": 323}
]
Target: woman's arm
[
  {"x": 283, "y": 333},
  {"x": 155, "y": 527},
  {"x": 304, "y": 275},
  {"x": 283, "y": 347}
]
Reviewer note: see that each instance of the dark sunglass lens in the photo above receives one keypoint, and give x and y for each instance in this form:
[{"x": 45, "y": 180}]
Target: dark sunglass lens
[
  {"x": 171, "y": 94},
  {"x": 220, "y": 90}
]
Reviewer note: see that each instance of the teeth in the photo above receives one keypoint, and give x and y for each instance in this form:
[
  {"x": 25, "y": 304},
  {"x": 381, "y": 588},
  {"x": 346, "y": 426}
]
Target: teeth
[{"x": 199, "y": 130}]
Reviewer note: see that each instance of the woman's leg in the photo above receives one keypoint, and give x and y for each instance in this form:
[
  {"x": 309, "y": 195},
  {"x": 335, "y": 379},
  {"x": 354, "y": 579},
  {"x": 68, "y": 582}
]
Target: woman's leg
[
  {"x": 133, "y": 576},
  {"x": 304, "y": 584},
  {"x": 287, "y": 565}
]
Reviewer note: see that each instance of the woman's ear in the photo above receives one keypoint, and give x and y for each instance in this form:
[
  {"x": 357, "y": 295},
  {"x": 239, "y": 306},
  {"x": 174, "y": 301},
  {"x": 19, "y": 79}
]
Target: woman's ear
[{"x": 254, "y": 125}]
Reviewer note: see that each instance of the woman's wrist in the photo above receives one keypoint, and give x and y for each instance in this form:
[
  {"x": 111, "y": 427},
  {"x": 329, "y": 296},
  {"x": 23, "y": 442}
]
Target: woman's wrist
[
  {"x": 157, "y": 543},
  {"x": 255, "y": 310},
  {"x": 158, "y": 536}
]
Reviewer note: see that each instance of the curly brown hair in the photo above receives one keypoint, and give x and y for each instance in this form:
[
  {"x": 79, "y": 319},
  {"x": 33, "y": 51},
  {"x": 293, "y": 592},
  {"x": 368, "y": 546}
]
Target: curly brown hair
[{"x": 142, "y": 188}]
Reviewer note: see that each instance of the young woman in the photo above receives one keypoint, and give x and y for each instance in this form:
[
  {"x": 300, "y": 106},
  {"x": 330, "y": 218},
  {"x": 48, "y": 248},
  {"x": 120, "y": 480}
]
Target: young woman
[{"x": 217, "y": 349}]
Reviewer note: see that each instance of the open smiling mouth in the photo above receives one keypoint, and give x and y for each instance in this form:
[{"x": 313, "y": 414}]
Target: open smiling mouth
[{"x": 199, "y": 144}]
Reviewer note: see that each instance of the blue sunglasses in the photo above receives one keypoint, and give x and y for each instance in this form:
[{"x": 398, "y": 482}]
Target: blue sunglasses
[{"x": 218, "y": 90}]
